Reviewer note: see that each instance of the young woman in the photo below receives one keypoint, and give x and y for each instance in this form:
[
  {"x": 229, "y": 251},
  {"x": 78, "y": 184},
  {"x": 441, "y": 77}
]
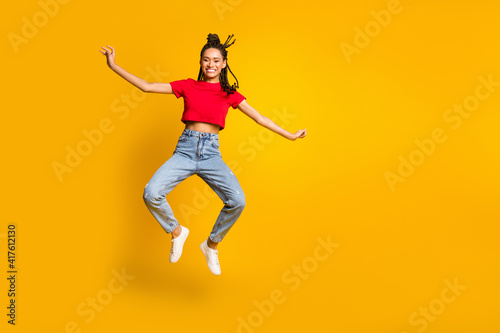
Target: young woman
[{"x": 206, "y": 104}]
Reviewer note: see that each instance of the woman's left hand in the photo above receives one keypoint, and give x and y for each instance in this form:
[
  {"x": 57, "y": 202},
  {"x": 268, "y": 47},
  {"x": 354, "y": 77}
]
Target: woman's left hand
[
  {"x": 110, "y": 55},
  {"x": 299, "y": 134}
]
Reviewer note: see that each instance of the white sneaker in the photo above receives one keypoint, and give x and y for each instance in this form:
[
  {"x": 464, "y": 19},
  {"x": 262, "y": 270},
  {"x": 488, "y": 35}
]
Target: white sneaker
[
  {"x": 212, "y": 257},
  {"x": 177, "y": 244}
]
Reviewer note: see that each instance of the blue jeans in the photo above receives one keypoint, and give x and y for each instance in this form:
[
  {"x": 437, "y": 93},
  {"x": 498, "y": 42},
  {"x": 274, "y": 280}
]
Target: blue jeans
[{"x": 196, "y": 153}]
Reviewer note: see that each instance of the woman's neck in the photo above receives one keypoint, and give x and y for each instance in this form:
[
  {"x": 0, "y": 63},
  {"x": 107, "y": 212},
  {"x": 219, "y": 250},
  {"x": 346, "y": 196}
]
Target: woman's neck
[{"x": 214, "y": 80}]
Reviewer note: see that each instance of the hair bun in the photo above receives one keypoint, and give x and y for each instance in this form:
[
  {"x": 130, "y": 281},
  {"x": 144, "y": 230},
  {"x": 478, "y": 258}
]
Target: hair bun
[{"x": 213, "y": 39}]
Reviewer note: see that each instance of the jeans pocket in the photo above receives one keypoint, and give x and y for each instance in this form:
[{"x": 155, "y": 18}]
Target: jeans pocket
[
  {"x": 215, "y": 143},
  {"x": 183, "y": 138}
]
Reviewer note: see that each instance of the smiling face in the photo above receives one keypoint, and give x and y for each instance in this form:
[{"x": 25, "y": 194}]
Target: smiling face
[{"x": 211, "y": 64}]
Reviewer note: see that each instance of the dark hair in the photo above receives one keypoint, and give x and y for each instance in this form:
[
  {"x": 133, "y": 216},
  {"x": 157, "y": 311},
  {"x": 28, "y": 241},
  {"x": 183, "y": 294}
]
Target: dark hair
[{"x": 214, "y": 42}]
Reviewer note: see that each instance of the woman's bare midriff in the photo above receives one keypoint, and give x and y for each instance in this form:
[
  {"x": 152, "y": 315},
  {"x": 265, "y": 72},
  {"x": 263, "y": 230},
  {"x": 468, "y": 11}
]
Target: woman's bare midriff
[{"x": 202, "y": 127}]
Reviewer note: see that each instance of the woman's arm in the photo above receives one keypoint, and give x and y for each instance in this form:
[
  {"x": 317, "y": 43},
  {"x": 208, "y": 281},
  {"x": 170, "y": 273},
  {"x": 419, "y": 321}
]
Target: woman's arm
[
  {"x": 143, "y": 85},
  {"x": 268, "y": 123}
]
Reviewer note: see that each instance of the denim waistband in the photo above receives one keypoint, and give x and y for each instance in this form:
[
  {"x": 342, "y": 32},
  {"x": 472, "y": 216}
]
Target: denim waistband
[{"x": 197, "y": 134}]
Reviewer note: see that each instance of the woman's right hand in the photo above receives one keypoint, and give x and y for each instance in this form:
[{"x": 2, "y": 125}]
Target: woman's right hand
[{"x": 110, "y": 55}]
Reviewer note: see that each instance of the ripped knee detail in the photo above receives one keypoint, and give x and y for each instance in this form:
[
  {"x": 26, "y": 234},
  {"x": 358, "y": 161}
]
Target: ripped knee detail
[{"x": 239, "y": 202}]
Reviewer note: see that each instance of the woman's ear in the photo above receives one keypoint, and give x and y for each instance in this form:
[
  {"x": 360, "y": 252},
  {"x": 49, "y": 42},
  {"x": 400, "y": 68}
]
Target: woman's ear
[{"x": 224, "y": 63}]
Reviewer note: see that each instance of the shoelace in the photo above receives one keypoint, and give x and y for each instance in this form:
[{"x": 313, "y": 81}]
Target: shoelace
[
  {"x": 215, "y": 258},
  {"x": 173, "y": 248}
]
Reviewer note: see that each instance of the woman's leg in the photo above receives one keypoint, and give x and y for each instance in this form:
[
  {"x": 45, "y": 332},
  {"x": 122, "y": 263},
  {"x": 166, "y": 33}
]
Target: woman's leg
[
  {"x": 222, "y": 180},
  {"x": 169, "y": 175},
  {"x": 212, "y": 169}
]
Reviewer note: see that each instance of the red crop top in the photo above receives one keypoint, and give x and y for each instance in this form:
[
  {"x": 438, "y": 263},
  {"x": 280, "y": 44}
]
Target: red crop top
[{"x": 205, "y": 101}]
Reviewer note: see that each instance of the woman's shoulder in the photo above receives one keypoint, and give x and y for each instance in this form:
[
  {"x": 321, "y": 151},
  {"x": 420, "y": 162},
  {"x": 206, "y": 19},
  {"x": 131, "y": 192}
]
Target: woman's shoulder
[
  {"x": 186, "y": 81},
  {"x": 237, "y": 94}
]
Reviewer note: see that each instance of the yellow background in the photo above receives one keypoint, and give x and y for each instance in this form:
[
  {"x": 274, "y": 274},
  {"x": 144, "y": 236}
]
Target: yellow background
[{"x": 396, "y": 248}]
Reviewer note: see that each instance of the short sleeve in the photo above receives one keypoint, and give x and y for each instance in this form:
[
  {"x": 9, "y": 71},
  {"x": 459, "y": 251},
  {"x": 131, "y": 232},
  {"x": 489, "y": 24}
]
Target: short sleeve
[
  {"x": 178, "y": 87},
  {"x": 236, "y": 99}
]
